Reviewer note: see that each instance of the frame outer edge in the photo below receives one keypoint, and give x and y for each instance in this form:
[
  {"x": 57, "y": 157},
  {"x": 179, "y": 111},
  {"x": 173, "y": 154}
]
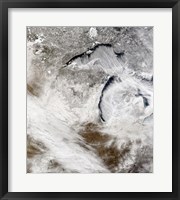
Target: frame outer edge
[
  {"x": 1, "y": 114},
  {"x": 178, "y": 135},
  {"x": 4, "y": 107}
]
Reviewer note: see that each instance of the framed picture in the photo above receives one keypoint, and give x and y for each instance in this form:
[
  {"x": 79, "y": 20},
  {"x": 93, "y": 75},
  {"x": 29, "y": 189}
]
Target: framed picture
[{"x": 89, "y": 99}]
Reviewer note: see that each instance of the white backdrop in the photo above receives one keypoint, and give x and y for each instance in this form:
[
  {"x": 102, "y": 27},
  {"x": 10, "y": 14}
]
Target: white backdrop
[{"x": 161, "y": 178}]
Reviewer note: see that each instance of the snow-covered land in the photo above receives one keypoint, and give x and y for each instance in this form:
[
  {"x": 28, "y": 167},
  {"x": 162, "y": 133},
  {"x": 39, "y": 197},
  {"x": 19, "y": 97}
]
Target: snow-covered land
[{"x": 89, "y": 99}]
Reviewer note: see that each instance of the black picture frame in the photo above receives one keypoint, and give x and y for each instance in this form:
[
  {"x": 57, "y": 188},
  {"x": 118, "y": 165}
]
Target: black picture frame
[{"x": 4, "y": 5}]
